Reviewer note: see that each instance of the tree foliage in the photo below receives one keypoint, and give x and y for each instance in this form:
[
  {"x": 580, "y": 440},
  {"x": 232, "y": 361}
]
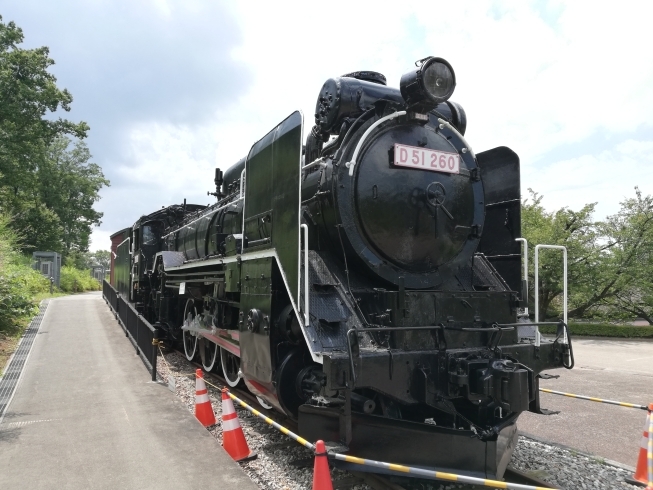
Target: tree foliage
[
  {"x": 28, "y": 93},
  {"x": 610, "y": 266},
  {"x": 86, "y": 260},
  {"x": 47, "y": 183},
  {"x": 572, "y": 229},
  {"x": 630, "y": 263}
]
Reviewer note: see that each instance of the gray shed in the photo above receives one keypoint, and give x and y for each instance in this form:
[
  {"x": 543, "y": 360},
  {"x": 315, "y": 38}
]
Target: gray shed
[{"x": 48, "y": 264}]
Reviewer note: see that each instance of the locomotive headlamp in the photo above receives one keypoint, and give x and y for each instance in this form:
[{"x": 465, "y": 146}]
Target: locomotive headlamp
[{"x": 432, "y": 83}]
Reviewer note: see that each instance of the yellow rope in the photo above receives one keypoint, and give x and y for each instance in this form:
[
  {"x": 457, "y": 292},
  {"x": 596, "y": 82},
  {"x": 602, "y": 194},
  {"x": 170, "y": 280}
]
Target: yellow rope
[
  {"x": 352, "y": 459},
  {"x": 170, "y": 369},
  {"x": 594, "y": 399}
]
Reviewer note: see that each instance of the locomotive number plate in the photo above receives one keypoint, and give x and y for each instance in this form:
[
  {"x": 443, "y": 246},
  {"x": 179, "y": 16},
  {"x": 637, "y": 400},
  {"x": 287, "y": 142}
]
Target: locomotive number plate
[{"x": 436, "y": 161}]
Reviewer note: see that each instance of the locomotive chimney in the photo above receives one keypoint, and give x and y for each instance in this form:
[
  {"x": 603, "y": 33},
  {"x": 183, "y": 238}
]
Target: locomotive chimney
[{"x": 218, "y": 180}]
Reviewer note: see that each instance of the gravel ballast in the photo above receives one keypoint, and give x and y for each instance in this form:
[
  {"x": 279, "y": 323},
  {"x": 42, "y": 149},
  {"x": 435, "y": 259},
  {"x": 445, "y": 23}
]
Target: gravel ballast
[{"x": 282, "y": 464}]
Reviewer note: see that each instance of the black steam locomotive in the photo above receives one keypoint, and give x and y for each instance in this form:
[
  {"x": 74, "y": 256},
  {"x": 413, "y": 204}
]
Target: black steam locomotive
[{"x": 366, "y": 283}]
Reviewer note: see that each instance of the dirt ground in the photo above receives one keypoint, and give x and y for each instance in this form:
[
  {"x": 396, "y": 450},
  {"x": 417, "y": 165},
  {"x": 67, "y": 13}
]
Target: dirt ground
[{"x": 7, "y": 348}]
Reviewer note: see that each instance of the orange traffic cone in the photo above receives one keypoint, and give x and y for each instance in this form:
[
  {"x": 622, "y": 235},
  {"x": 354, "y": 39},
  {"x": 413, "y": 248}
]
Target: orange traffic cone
[
  {"x": 641, "y": 476},
  {"x": 321, "y": 475},
  {"x": 203, "y": 409},
  {"x": 233, "y": 438},
  {"x": 649, "y": 450}
]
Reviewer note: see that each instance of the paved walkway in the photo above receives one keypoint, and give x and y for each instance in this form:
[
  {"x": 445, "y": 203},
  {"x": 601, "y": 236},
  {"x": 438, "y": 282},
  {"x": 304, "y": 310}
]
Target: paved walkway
[
  {"x": 613, "y": 369},
  {"x": 87, "y": 416}
]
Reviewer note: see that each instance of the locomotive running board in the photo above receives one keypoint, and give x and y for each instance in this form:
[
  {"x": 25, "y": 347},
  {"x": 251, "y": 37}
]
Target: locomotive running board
[{"x": 412, "y": 443}]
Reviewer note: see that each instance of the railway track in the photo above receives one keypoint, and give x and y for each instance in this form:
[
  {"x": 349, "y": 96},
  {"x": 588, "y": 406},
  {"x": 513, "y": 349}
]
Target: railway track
[{"x": 375, "y": 481}]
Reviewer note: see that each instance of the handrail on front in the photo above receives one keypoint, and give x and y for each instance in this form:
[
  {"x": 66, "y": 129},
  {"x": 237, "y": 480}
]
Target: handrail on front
[
  {"x": 524, "y": 274},
  {"x": 304, "y": 227},
  {"x": 537, "y": 289}
]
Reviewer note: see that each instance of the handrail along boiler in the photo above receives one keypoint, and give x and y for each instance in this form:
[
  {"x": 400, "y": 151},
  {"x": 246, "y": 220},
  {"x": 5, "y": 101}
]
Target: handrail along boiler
[{"x": 366, "y": 283}]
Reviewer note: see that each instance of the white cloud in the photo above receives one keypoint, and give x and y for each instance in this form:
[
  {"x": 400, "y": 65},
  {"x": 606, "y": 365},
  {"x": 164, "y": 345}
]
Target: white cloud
[
  {"x": 606, "y": 178},
  {"x": 540, "y": 77}
]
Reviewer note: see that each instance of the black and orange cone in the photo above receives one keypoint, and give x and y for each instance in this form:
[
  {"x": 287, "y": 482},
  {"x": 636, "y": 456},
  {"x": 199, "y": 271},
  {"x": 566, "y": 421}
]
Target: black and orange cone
[
  {"x": 203, "y": 409},
  {"x": 641, "y": 476},
  {"x": 321, "y": 475},
  {"x": 233, "y": 438}
]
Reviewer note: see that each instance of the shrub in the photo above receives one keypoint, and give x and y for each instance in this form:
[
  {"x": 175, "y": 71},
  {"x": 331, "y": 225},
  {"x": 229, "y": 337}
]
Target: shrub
[
  {"x": 76, "y": 280},
  {"x": 19, "y": 283},
  {"x": 603, "y": 330}
]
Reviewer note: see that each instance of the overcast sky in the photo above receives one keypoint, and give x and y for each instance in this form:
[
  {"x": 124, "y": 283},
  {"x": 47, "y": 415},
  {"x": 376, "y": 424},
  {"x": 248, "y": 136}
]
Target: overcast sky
[{"x": 173, "y": 89}]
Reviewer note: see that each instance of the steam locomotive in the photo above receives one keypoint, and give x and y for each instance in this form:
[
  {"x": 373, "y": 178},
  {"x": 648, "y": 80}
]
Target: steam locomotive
[{"x": 366, "y": 283}]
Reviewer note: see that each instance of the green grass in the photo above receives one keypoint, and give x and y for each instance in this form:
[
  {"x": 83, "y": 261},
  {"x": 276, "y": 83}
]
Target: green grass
[
  {"x": 603, "y": 330},
  {"x": 55, "y": 294}
]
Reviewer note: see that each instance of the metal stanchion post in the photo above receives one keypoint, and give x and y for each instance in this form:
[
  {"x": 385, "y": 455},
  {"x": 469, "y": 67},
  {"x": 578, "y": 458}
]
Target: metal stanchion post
[
  {"x": 155, "y": 346},
  {"x": 135, "y": 330}
]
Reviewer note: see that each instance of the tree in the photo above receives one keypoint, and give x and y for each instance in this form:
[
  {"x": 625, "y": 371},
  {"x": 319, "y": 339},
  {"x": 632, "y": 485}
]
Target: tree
[
  {"x": 47, "y": 188},
  {"x": 86, "y": 260},
  {"x": 610, "y": 264},
  {"x": 573, "y": 229},
  {"x": 69, "y": 185},
  {"x": 630, "y": 264},
  {"x": 28, "y": 93},
  {"x": 56, "y": 211},
  {"x": 102, "y": 257},
  {"x": 39, "y": 227}
]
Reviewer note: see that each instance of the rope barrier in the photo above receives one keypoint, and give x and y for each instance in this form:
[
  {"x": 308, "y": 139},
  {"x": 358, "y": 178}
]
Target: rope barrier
[
  {"x": 274, "y": 424},
  {"x": 593, "y": 399},
  {"x": 437, "y": 475}
]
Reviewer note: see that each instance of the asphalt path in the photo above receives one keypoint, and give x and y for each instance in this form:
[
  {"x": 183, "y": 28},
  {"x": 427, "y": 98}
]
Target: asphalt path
[
  {"x": 87, "y": 416},
  {"x": 620, "y": 370}
]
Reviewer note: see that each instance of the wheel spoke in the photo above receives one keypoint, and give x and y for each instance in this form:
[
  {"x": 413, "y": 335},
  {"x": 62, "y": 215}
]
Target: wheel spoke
[
  {"x": 230, "y": 367},
  {"x": 190, "y": 340},
  {"x": 210, "y": 355}
]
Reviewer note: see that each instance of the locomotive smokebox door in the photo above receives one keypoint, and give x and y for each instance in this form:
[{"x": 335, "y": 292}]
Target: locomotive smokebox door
[{"x": 269, "y": 279}]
